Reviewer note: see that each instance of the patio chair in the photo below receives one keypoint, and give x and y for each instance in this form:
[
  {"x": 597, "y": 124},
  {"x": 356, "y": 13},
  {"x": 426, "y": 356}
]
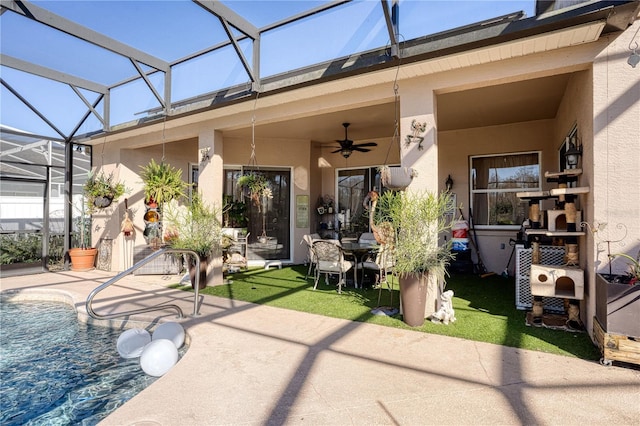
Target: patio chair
[
  {"x": 308, "y": 239},
  {"x": 382, "y": 263},
  {"x": 236, "y": 256},
  {"x": 330, "y": 260}
]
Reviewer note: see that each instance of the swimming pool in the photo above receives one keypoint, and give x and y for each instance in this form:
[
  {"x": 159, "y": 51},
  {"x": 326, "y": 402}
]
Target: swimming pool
[{"x": 56, "y": 370}]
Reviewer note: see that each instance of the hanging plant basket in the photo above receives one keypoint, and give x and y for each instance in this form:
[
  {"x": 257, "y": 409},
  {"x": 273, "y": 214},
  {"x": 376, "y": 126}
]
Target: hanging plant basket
[
  {"x": 101, "y": 190},
  {"x": 397, "y": 178}
]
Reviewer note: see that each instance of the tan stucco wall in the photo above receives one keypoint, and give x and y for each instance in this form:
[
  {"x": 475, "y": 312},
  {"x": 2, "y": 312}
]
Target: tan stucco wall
[
  {"x": 107, "y": 223},
  {"x": 615, "y": 178},
  {"x": 456, "y": 147}
]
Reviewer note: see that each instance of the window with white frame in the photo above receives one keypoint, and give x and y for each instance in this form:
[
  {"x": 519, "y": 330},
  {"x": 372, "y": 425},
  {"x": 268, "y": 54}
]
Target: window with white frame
[{"x": 495, "y": 180}]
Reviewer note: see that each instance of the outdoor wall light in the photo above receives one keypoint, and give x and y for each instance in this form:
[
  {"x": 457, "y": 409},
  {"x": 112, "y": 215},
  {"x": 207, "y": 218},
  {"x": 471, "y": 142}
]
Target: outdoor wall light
[
  {"x": 572, "y": 154},
  {"x": 448, "y": 183}
]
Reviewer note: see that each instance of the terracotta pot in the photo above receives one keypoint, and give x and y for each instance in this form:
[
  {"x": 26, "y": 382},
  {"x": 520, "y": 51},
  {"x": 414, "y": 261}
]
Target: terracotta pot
[
  {"x": 203, "y": 272},
  {"x": 83, "y": 259},
  {"x": 413, "y": 295}
]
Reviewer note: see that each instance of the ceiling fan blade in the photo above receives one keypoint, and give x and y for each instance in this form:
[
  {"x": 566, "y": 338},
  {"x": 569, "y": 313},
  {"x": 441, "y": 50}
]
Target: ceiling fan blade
[
  {"x": 366, "y": 144},
  {"x": 337, "y": 150},
  {"x": 357, "y": 148}
]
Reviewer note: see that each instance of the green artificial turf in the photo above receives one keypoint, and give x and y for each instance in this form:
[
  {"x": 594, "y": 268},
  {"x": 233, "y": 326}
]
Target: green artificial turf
[{"x": 484, "y": 308}]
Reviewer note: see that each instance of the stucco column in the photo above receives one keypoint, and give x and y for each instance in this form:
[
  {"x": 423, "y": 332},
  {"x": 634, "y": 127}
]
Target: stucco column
[
  {"x": 419, "y": 150},
  {"x": 210, "y": 178}
]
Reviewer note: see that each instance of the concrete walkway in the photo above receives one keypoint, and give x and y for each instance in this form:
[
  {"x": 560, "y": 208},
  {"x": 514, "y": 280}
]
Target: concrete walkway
[{"x": 257, "y": 365}]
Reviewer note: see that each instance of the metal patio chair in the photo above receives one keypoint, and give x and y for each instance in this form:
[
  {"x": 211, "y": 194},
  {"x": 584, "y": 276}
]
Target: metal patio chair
[{"x": 330, "y": 260}]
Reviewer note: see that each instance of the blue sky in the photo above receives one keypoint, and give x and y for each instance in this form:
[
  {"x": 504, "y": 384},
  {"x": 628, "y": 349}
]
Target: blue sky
[{"x": 173, "y": 29}]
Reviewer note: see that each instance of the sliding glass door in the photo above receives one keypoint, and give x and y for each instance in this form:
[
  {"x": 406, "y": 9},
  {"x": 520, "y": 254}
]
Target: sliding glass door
[{"x": 353, "y": 187}]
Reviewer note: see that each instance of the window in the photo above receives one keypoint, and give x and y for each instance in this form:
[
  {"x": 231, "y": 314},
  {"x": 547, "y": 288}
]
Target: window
[{"x": 495, "y": 180}]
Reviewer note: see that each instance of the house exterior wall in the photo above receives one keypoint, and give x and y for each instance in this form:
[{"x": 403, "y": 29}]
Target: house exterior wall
[
  {"x": 127, "y": 162},
  {"x": 456, "y": 148},
  {"x": 601, "y": 98},
  {"x": 615, "y": 179}
]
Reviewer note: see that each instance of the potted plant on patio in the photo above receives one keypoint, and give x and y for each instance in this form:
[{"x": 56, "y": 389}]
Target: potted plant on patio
[
  {"x": 83, "y": 258},
  {"x": 396, "y": 177},
  {"x": 100, "y": 190},
  {"x": 419, "y": 220},
  {"x": 195, "y": 226},
  {"x": 617, "y": 307}
]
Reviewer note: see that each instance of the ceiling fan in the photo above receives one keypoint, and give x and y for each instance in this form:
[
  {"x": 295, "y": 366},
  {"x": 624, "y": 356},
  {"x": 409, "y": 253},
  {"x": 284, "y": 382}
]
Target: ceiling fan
[{"x": 347, "y": 146}]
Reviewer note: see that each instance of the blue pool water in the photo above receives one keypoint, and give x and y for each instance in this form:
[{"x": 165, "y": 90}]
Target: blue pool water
[{"x": 55, "y": 370}]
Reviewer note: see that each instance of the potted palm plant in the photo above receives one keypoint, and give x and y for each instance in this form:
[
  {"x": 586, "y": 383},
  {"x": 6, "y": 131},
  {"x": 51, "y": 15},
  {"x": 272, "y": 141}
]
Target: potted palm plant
[
  {"x": 195, "y": 226},
  {"x": 419, "y": 219}
]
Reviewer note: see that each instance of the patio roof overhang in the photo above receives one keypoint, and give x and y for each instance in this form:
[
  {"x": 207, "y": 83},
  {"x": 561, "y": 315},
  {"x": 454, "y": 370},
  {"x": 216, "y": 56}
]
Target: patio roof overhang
[{"x": 497, "y": 39}]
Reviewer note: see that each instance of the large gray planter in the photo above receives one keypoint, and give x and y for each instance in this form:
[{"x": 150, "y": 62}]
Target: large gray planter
[
  {"x": 413, "y": 296},
  {"x": 617, "y": 306}
]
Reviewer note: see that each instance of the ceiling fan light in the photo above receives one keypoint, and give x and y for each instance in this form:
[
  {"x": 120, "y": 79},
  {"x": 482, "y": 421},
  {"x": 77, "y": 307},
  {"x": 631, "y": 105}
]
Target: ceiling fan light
[{"x": 346, "y": 152}]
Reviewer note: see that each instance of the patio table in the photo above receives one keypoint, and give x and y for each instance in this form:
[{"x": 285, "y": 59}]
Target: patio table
[{"x": 357, "y": 250}]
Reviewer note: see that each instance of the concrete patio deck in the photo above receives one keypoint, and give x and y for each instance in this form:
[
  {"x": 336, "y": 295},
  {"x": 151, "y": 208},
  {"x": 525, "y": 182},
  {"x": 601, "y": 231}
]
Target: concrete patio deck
[{"x": 257, "y": 365}]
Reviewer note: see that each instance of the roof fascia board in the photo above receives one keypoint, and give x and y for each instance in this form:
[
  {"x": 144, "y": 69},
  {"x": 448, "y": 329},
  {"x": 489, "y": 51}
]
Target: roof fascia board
[
  {"x": 430, "y": 48},
  {"x": 28, "y": 67},
  {"x": 57, "y": 22}
]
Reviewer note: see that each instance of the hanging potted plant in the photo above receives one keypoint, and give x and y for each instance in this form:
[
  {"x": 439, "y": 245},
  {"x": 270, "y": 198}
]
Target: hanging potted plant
[
  {"x": 396, "y": 178},
  {"x": 162, "y": 182},
  {"x": 101, "y": 190},
  {"x": 258, "y": 190},
  {"x": 419, "y": 219},
  {"x": 195, "y": 226}
]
